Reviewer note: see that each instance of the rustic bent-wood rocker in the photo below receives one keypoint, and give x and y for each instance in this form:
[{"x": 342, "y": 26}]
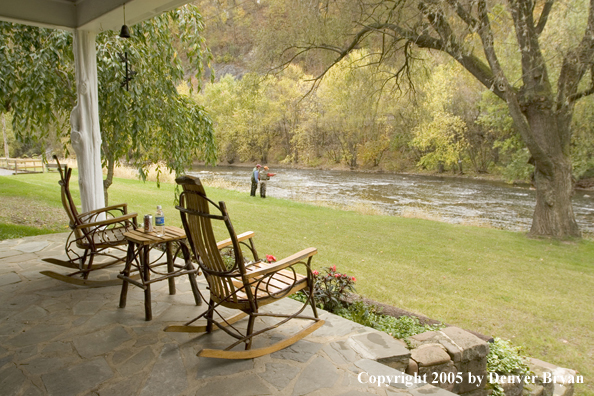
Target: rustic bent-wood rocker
[
  {"x": 238, "y": 285},
  {"x": 98, "y": 233}
]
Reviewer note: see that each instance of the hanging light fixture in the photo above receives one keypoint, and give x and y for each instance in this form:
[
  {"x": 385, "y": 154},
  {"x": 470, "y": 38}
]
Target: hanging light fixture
[{"x": 125, "y": 32}]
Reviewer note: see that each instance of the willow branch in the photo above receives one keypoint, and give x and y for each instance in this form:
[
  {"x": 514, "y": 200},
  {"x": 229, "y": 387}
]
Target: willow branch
[
  {"x": 544, "y": 16},
  {"x": 587, "y": 92},
  {"x": 577, "y": 61},
  {"x": 463, "y": 14}
]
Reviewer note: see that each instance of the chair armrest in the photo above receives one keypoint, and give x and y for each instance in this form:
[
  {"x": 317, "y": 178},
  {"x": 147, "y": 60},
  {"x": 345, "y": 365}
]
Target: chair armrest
[
  {"x": 109, "y": 221},
  {"x": 282, "y": 264},
  {"x": 122, "y": 206},
  {"x": 240, "y": 238}
]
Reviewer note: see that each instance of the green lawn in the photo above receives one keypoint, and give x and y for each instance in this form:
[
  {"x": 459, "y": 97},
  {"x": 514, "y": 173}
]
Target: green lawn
[{"x": 538, "y": 293}]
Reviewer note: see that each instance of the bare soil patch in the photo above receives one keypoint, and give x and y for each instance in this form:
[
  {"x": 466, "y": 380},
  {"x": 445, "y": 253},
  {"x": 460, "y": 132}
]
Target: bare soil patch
[{"x": 28, "y": 212}]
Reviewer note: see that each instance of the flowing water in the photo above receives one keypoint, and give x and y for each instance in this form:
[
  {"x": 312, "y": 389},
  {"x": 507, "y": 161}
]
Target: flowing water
[{"x": 454, "y": 200}]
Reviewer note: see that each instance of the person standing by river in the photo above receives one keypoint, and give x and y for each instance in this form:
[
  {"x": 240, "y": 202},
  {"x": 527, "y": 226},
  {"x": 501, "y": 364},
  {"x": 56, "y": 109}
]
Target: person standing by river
[
  {"x": 264, "y": 177},
  {"x": 255, "y": 179}
]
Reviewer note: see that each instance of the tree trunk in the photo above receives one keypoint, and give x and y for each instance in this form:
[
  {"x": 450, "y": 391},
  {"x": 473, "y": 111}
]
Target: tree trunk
[
  {"x": 108, "y": 179},
  {"x": 5, "y": 138},
  {"x": 553, "y": 214}
]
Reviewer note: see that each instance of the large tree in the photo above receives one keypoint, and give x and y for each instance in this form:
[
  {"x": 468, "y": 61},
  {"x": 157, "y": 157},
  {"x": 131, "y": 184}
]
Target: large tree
[
  {"x": 540, "y": 89},
  {"x": 143, "y": 121}
]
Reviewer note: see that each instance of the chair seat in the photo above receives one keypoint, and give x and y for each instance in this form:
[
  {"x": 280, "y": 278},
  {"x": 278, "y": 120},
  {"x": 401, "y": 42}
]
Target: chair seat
[
  {"x": 278, "y": 284},
  {"x": 269, "y": 288},
  {"x": 105, "y": 238}
]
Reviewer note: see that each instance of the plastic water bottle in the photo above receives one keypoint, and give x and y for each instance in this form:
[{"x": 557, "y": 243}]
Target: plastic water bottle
[{"x": 160, "y": 221}]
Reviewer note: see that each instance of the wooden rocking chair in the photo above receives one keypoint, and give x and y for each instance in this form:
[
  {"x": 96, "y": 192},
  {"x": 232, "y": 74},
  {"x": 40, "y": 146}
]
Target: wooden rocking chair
[
  {"x": 238, "y": 285},
  {"x": 97, "y": 233}
]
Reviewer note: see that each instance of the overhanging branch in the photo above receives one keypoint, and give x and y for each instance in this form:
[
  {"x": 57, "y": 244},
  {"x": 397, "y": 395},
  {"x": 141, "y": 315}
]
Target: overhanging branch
[
  {"x": 544, "y": 16},
  {"x": 587, "y": 92},
  {"x": 575, "y": 65},
  {"x": 464, "y": 14},
  {"x": 486, "y": 35}
]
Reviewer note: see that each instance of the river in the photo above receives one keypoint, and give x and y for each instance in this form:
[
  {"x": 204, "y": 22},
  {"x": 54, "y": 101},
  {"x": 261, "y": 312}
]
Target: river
[{"x": 453, "y": 200}]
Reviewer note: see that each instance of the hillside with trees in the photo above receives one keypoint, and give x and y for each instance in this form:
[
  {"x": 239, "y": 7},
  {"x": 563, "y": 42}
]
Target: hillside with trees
[
  {"x": 438, "y": 118},
  {"x": 460, "y": 85}
]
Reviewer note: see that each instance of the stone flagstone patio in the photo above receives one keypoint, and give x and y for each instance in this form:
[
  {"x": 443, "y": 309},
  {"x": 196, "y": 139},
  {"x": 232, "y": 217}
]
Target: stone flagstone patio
[{"x": 60, "y": 339}]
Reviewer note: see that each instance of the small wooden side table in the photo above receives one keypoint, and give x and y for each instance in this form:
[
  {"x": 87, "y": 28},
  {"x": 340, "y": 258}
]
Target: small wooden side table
[{"x": 139, "y": 247}]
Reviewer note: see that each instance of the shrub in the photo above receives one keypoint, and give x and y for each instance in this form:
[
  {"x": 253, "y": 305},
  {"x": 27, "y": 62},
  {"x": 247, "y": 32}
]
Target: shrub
[
  {"x": 332, "y": 289},
  {"x": 505, "y": 359},
  {"x": 371, "y": 316}
]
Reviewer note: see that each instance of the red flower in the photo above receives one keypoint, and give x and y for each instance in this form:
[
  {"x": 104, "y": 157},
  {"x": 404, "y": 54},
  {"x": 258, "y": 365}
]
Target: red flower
[
  {"x": 333, "y": 268},
  {"x": 337, "y": 275},
  {"x": 316, "y": 273},
  {"x": 354, "y": 279},
  {"x": 270, "y": 258}
]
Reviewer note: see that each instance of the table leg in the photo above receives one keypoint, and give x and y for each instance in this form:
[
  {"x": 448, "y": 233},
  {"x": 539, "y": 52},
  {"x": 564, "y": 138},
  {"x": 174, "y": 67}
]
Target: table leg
[
  {"x": 146, "y": 276},
  {"x": 189, "y": 266},
  {"x": 170, "y": 269},
  {"x": 126, "y": 273}
]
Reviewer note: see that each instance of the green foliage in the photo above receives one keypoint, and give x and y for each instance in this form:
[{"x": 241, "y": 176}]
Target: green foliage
[
  {"x": 371, "y": 316},
  {"x": 242, "y": 115},
  {"x": 344, "y": 121},
  {"x": 440, "y": 135},
  {"x": 505, "y": 359},
  {"x": 331, "y": 293},
  {"x": 37, "y": 70},
  {"x": 7, "y": 135},
  {"x": 518, "y": 166},
  {"x": 512, "y": 154},
  {"x": 228, "y": 256},
  {"x": 442, "y": 140},
  {"x": 152, "y": 123},
  {"x": 582, "y": 147}
]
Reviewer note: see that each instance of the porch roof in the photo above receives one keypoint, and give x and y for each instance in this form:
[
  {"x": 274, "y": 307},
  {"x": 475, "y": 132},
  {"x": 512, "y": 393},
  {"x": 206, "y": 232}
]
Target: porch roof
[{"x": 90, "y": 15}]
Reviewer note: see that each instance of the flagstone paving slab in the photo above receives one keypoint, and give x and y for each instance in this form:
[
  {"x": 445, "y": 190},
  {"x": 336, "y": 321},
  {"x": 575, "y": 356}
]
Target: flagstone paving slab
[
  {"x": 77, "y": 379},
  {"x": 279, "y": 374},
  {"x": 8, "y": 278},
  {"x": 11, "y": 380},
  {"x": 320, "y": 373},
  {"x": 61, "y": 339},
  {"x": 31, "y": 247},
  {"x": 168, "y": 376}
]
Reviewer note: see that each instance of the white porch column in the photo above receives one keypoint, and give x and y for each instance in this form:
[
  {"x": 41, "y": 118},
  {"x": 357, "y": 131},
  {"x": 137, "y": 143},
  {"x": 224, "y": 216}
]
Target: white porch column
[{"x": 86, "y": 133}]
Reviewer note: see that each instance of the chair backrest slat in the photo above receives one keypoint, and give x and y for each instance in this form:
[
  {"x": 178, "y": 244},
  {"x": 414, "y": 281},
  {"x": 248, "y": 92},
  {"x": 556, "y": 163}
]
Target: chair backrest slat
[
  {"x": 67, "y": 201},
  {"x": 195, "y": 212}
]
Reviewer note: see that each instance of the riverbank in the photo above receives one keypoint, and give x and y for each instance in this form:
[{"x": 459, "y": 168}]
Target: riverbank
[
  {"x": 494, "y": 282},
  {"x": 583, "y": 184},
  {"x": 453, "y": 200}
]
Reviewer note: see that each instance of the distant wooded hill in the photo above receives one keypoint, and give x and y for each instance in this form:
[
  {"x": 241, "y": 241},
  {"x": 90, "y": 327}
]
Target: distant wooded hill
[{"x": 440, "y": 119}]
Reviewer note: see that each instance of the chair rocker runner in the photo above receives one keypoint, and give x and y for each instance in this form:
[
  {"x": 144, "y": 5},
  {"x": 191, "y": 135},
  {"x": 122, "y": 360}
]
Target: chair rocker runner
[
  {"x": 96, "y": 233},
  {"x": 238, "y": 285}
]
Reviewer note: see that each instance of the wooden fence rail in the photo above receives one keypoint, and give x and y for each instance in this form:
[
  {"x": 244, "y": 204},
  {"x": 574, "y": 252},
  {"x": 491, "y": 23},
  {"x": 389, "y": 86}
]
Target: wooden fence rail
[{"x": 22, "y": 165}]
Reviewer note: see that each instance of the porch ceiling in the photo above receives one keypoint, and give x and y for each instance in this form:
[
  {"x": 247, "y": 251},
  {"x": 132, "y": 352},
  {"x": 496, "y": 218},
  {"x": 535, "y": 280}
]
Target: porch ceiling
[{"x": 91, "y": 15}]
